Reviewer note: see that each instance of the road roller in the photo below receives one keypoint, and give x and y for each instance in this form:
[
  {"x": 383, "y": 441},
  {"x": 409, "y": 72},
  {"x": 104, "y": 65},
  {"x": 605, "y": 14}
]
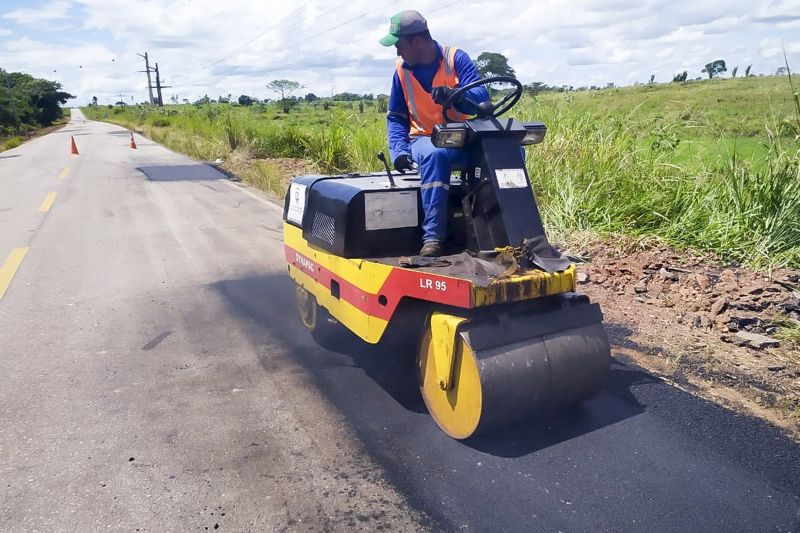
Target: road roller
[{"x": 496, "y": 326}]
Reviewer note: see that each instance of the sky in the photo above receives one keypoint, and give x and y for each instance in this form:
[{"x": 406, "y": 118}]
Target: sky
[{"x": 213, "y": 47}]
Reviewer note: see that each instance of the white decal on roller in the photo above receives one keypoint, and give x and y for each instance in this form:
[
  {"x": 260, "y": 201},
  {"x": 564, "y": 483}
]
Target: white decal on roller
[
  {"x": 297, "y": 203},
  {"x": 387, "y": 210},
  {"x": 511, "y": 178}
]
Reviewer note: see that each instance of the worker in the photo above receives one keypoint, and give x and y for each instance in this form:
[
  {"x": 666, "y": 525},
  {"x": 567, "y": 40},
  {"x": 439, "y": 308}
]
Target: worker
[{"x": 426, "y": 75}]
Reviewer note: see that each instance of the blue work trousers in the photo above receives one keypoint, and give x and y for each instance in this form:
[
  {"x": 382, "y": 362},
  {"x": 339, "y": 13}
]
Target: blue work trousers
[{"x": 434, "y": 172}]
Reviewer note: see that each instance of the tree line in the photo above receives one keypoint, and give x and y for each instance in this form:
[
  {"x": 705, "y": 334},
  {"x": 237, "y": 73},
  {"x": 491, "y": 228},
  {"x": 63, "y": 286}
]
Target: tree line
[
  {"x": 27, "y": 102},
  {"x": 489, "y": 64}
]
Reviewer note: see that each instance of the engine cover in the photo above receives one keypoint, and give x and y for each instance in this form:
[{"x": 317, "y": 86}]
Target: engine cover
[{"x": 357, "y": 215}]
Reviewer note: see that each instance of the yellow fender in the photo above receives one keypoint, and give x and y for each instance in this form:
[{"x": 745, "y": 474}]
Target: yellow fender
[{"x": 444, "y": 329}]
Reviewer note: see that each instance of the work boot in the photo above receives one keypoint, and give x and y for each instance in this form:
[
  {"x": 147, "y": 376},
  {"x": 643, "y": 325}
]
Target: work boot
[{"x": 431, "y": 249}]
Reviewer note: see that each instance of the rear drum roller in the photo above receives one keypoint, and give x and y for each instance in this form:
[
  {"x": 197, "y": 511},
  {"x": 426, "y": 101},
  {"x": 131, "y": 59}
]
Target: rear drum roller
[
  {"x": 477, "y": 376},
  {"x": 325, "y": 330}
]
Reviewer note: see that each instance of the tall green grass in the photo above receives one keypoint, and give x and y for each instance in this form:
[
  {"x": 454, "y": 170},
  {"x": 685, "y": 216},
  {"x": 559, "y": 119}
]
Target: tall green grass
[
  {"x": 712, "y": 165},
  {"x": 11, "y": 142},
  {"x": 593, "y": 174}
]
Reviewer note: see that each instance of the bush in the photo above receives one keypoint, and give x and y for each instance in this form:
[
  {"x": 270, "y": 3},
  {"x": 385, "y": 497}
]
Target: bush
[
  {"x": 158, "y": 121},
  {"x": 13, "y": 142}
]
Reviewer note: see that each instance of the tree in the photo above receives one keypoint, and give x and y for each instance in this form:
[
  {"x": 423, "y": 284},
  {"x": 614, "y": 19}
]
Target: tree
[
  {"x": 535, "y": 87},
  {"x": 652, "y": 78},
  {"x": 747, "y": 71},
  {"x": 680, "y": 78},
  {"x": 29, "y": 101},
  {"x": 782, "y": 71},
  {"x": 245, "y": 100},
  {"x": 493, "y": 64},
  {"x": 715, "y": 68},
  {"x": 734, "y": 70},
  {"x": 94, "y": 100},
  {"x": 285, "y": 88},
  {"x": 346, "y": 97},
  {"x": 311, "y": 97}
]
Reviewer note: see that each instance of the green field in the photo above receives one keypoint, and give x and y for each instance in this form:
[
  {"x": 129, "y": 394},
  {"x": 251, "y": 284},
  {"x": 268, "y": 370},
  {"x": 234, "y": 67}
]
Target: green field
[{"x": 713, "y": 165}]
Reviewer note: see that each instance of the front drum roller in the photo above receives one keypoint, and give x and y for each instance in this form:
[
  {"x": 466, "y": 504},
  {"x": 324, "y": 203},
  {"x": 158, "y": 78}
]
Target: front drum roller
[{"x": 476, "y": 376}]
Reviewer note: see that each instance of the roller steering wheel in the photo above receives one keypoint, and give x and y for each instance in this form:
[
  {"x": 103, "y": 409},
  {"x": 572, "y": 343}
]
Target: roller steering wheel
[{"x": 487, "y": 109}]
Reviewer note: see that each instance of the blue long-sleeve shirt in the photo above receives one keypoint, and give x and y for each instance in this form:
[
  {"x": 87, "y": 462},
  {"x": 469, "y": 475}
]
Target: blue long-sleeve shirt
[{"x": 397, "y": 121}]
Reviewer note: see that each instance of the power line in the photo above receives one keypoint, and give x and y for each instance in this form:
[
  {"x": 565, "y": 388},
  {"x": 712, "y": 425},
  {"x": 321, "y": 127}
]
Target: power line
[
  {"x": 444, "y": 6},
  {"x": 330, "y": 51},
  {"x": 257, "y": 37},
  {"x": 349, "y": 21},
  {"x": 286, "y": 66},
  {"x": 392, "y": 2},
  {"x": 268, "y": 28}
]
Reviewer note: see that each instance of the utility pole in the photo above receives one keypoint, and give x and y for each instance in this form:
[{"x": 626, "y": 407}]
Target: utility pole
[
  {"x": 159, "y": 87},
  {"x": 148, "y": 70}
]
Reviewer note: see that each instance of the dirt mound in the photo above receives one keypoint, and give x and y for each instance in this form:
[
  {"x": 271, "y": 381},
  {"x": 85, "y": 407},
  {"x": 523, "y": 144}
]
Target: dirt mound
[{"x": 726, "y": 332}]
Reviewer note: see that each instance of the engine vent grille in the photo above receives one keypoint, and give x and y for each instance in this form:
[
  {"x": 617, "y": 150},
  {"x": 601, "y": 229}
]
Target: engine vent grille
[{"x": 324, "y": 227}]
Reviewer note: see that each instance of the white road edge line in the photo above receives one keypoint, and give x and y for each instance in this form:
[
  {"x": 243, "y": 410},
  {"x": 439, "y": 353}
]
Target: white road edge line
[{"x": 254, "y": 196}]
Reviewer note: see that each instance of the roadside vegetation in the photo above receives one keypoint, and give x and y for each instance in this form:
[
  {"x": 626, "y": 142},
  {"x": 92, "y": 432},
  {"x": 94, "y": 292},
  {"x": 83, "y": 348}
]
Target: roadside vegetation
[
  {"x": 27, "y": 104},
  {"x": 713, "y": 165}
]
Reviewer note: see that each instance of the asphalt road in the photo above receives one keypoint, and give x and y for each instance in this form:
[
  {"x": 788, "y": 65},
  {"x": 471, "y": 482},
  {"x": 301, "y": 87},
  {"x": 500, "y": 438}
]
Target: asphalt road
[{"x": 155, "y": 376}]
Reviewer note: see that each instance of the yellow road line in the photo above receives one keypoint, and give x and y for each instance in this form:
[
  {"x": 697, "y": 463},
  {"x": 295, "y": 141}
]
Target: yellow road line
[
  {"x": 10, "y": 267},
  {"x": 64, "y": 172},
  {"x": 47, "y": 203}
]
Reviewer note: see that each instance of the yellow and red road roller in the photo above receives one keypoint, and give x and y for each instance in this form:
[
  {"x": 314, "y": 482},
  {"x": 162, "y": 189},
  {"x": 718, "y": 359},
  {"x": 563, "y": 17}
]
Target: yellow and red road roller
[{"x": 500, "y": 333}]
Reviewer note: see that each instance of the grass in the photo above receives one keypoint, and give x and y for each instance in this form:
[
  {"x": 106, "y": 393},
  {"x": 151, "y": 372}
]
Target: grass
[
  {"x": 12, "y": 142},
  {"x": 788, "y": 332},
  {"x": 712, "y": 165}
]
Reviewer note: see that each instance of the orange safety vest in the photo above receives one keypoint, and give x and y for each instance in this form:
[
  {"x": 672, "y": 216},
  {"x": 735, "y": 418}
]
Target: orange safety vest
[{"x": 424, "y": 113}]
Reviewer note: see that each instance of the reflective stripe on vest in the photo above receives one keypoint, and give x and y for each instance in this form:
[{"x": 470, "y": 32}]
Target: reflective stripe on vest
[{"x": 424, "y": 112}]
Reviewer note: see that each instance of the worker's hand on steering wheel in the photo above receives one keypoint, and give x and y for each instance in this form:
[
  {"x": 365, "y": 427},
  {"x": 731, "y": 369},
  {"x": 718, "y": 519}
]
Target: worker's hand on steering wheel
[
  {"x": 441, "y": 94},
  {"x": 403, "y": 162}
]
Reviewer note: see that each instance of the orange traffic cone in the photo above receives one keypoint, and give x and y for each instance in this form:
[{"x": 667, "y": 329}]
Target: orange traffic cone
[
  {"x": 133, "y": 143},
  {"x": 74, "y": 148}
]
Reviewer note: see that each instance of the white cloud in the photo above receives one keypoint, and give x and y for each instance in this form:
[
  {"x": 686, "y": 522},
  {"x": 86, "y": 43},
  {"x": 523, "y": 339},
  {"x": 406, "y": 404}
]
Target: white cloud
[
  {"x": 4, "y": 32},
  {"x": 683, "y": 35},
  {"x": 772, "y": 47},
  {"x": 38, "y": 16},
  {"x": 237, "y": 46}
]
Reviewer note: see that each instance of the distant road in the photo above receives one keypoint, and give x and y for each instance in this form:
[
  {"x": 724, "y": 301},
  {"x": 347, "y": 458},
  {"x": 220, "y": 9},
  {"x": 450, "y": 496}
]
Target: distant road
[{"x": 155, "y": 377}]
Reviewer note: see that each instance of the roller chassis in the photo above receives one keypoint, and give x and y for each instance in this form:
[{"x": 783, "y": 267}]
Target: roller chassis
[{"x": 524, "y": 314}]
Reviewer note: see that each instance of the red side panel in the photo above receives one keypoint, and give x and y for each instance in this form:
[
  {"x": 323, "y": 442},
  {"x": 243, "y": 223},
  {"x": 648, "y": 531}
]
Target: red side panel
[{"x": 400, "y": 283}]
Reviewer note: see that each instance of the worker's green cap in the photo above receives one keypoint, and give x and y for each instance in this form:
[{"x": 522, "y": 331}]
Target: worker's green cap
[{"x": 404, "y": 23}]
